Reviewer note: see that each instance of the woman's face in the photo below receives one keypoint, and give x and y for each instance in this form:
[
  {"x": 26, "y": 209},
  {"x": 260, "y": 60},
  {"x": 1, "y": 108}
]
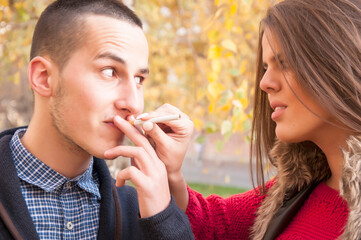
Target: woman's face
[{"x": 294, "y": 122}]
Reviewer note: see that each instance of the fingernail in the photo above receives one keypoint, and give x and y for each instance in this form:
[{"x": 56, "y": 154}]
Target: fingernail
[
  {"x": 142, "y": 115},
  {"x": 131, "y": 118},
  {"x": 117, "y": 118},
  {"x": 147, "y": 126}
]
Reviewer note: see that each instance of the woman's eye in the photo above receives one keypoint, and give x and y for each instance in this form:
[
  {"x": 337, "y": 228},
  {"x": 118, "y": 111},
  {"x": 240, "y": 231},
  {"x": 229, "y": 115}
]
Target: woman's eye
[
  {"x": 108, "y": 72},
  {"x": 283, "y": 64},
  {"x": 265, "y": 66},
  {"x": 139, "y": 80}
]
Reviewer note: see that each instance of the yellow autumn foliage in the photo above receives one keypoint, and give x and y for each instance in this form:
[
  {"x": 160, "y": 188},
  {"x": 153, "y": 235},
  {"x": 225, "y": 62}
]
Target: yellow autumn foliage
[{"x": 202, "y": 54}]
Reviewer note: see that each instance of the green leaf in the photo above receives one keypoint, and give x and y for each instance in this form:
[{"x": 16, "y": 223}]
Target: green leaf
[
  {"x": 227, "y": 136},
  {"x": 226, "y": 96},
  {"x": 226, "y": 127},
  {"x": 234, "y": 72},
  {"x": 219, "y": 145},
  {"x": 246, "y": 125},
  {"x": 211, "y": 127},
  {"x": 201, "y": 139},
  {"x": 240, "y": 94}
]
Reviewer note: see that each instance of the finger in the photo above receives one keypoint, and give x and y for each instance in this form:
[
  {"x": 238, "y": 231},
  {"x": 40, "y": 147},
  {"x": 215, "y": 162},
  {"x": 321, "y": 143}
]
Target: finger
[
  {"x": 134, "y": 135},
  {"x": 133, "y": 174},
  {"x": 168, "y": 108},
  {"x": 157, "y": 135},
  {"x": 181, "y": 126},
  {"x": 177, "y": 129},
  {"x": 165, "y": 109},
  {"x": 131, "y": 118},
  {"x": 134, "y": 163},
  {"x": 140, "y": 157},
  {"x": 120, "y": 182}
]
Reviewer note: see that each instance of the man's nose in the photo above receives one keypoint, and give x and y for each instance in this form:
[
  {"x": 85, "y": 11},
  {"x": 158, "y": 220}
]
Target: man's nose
[
  {"x": 270, "y": 82},
  {"x": 130, "y": 98}
]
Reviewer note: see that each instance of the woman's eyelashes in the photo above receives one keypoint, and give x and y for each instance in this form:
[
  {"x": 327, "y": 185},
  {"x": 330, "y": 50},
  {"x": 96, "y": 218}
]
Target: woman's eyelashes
[
  {"x": 282, "y": 65},
  {"x": 265, "y": 66}
]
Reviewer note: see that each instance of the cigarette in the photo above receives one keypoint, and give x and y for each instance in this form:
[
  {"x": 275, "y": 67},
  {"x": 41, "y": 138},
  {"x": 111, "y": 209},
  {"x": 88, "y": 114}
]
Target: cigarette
[{"x": 157, "y": 119}]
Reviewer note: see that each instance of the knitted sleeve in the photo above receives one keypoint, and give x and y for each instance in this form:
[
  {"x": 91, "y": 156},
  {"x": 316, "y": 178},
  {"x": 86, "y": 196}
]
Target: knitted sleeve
[
  {"x": 170, "y": 224},
  {"x": 215, "y": 217}
]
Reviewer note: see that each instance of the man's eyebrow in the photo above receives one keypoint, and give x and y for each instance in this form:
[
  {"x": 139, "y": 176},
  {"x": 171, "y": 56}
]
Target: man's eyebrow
[
  {"x": 120, "y": 60},
  {"x": 111, "y": 56},
  {"x": 144, "y": 71}
]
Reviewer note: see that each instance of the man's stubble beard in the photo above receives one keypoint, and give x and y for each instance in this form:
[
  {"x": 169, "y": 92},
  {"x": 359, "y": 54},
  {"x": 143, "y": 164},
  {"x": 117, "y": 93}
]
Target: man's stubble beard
[{"x": 57, "y": 117}]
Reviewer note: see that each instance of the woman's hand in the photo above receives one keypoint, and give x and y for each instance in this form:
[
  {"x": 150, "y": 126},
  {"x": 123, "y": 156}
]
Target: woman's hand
[
  {"x": 171, "y": 140},
  {"x": 147, "y": 172}
]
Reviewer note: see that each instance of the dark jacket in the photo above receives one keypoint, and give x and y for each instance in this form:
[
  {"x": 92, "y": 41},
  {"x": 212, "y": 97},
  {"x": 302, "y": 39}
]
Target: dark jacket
[{"x": 118, "y": 216}]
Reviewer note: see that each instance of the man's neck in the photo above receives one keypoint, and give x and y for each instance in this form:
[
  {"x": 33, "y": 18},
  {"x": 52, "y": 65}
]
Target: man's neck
[{"x": 46, "y": 144}]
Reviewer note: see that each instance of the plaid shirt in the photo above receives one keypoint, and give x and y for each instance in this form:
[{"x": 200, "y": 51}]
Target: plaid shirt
[{"x": 60, "y": 208}]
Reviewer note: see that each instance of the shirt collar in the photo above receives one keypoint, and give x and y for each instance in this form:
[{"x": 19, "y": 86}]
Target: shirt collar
[{"x": 32, "y": 170}]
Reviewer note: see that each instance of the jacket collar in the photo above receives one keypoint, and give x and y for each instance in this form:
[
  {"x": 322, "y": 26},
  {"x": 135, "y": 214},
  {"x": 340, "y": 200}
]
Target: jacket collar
[
  {"x": 10, "y": 194},
  {"x": 14, "y": 203}
]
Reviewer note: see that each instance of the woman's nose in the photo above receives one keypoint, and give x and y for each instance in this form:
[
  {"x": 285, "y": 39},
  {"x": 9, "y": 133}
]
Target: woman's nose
[{"x": 270, "y": 81}]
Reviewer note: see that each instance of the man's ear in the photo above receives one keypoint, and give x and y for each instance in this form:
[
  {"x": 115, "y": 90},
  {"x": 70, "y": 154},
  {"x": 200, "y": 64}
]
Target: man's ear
[{"x": 39, "y": 75}]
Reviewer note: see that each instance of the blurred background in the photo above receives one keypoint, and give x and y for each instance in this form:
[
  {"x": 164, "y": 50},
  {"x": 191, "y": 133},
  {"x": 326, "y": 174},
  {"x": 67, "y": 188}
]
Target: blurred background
[{"x": 202, "y": 60}]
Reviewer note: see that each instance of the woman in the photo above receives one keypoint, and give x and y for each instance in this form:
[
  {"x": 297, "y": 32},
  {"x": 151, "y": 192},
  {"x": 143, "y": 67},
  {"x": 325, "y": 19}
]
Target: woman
[{"x": 306, "y": 123}]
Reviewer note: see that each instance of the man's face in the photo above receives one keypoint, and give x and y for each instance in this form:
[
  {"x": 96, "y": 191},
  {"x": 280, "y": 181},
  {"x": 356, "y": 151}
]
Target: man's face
[{"x": 101, "y": 79}]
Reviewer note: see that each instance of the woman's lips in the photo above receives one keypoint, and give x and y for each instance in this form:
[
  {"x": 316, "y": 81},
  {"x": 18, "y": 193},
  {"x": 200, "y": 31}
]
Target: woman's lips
[{"x": 278, "y": 111}]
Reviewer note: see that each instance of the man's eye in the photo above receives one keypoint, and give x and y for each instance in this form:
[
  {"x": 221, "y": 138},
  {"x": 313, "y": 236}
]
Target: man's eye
[
  {"x": 108, "y": 72},
  {"x": 139, "y": 80}
]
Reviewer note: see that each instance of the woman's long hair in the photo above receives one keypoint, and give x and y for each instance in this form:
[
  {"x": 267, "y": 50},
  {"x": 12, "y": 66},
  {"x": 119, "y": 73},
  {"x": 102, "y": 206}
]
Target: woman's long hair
[{"x": 321, "y": 42}]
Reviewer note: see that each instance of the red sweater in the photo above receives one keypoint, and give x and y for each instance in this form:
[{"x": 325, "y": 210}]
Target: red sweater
[{"x": 323, "y": 215}]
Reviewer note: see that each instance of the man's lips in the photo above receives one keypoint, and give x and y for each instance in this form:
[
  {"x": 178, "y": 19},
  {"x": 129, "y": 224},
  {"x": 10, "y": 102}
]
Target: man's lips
[{"x": 111, "y": 124}]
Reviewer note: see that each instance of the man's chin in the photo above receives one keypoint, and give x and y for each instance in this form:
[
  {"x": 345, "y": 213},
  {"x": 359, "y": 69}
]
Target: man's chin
[{"x": 99, "y": 153}]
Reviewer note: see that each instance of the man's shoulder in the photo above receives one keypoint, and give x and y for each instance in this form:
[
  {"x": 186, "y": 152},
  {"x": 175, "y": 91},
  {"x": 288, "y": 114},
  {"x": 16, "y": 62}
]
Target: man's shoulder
[
  {"x": 127, "y": 192},
  {"x": 124, "y": 192},
  {"x": 5, "y": 137},
  {"x": 10, "y": 131},
  {"x": 128, "y": 200}
]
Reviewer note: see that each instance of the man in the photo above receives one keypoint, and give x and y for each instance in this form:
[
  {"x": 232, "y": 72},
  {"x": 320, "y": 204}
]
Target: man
[{"x": 89, "y": 59}]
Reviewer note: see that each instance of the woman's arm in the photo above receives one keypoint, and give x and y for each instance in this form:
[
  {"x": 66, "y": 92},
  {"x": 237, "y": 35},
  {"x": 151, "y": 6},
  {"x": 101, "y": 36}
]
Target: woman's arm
[
  {"x": 215, "y": 217},
  {"x": 178, "y": 189},
  {"x": 171, "y": 140}
]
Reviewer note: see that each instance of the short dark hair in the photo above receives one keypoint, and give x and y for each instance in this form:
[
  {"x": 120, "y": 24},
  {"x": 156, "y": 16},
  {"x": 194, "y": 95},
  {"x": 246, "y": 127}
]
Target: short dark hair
[{"x": 60, "y": 29}]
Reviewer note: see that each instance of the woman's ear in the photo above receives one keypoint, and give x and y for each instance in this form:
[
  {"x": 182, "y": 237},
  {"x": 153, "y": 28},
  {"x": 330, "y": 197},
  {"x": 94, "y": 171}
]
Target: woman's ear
[{"x": 39, "y": 75}]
